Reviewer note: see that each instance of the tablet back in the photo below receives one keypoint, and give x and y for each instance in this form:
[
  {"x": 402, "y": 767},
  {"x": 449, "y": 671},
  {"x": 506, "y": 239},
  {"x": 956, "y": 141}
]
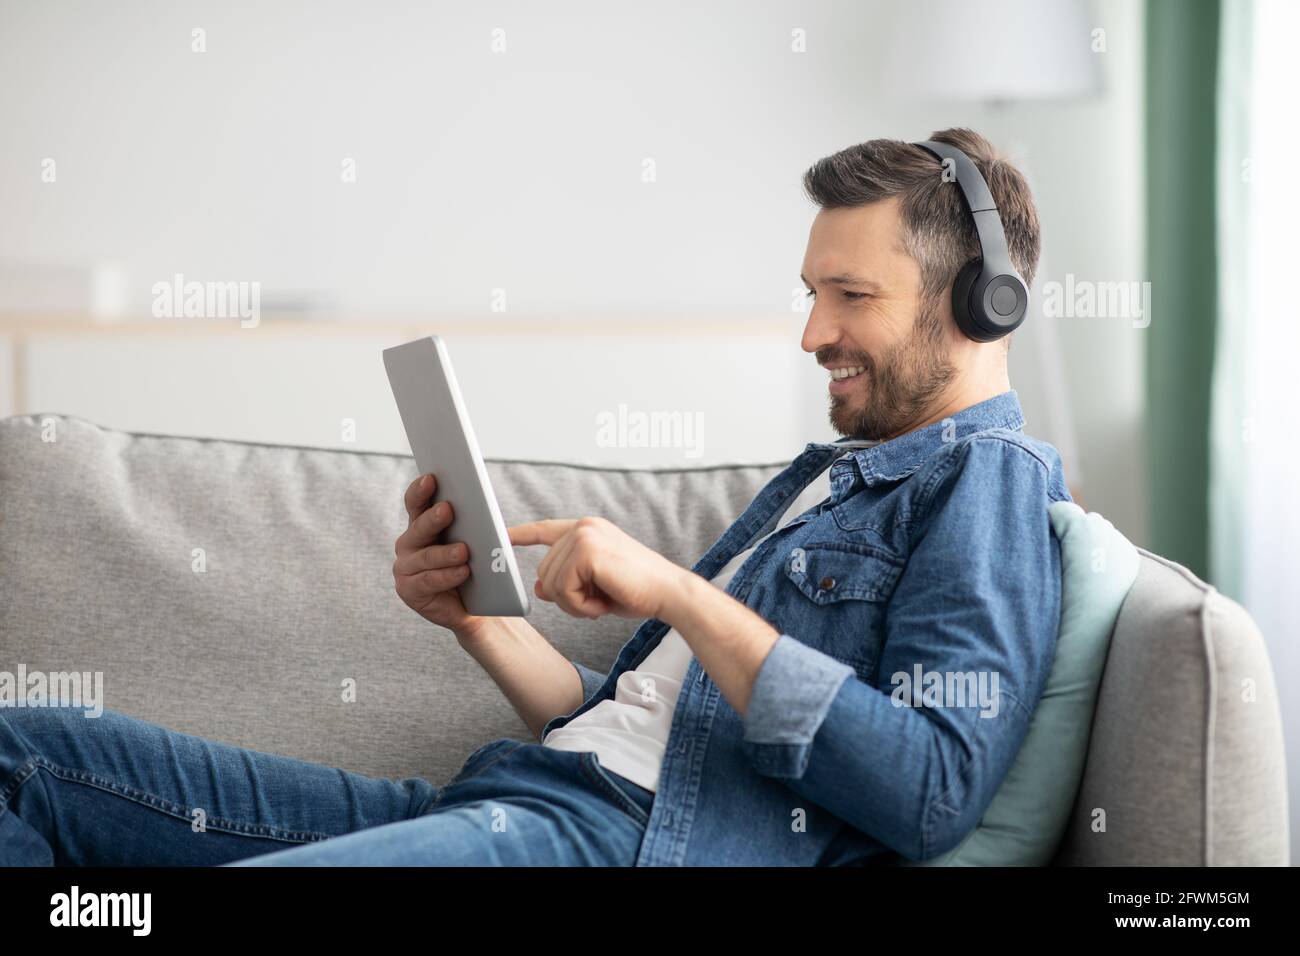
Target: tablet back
[{"x": 442, "y": 441}]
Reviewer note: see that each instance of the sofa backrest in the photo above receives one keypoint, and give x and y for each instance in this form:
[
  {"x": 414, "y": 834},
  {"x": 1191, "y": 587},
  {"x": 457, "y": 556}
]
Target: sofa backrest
[{"x": 102, "y": 533}]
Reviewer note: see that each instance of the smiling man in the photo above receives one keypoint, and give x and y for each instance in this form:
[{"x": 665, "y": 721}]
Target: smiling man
[
  {"x": 845, "y": 677},
  {"x": 755, "y": 715}
]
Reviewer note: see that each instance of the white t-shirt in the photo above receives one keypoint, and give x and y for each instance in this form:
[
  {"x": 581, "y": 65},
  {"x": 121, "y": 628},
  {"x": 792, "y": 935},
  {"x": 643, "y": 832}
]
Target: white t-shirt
[{"x": 629, "y": 731}]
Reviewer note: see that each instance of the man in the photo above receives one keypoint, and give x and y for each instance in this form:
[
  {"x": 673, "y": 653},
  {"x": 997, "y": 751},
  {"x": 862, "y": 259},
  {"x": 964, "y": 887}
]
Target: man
[{"x": 844, "y": 677}]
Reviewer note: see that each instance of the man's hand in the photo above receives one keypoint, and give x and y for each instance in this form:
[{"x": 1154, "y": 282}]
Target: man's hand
[
  {"x": 425, "y": 574},
  {"x": 594, "y": 568}
]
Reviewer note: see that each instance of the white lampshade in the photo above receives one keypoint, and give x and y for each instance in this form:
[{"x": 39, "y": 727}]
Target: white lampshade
[{"x": 993, "y": 50}]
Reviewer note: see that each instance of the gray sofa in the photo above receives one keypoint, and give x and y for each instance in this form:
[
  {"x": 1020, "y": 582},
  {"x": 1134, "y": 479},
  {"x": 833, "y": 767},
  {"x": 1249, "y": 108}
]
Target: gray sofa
[{"x": 101, "y": 532}]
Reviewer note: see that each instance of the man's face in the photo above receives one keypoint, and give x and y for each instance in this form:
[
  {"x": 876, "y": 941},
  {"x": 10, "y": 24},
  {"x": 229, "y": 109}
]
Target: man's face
[{"x": 868, "y": 314}]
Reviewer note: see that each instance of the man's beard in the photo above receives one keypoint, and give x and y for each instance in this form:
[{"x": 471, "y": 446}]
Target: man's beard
[{"x": 898, "y": 390}]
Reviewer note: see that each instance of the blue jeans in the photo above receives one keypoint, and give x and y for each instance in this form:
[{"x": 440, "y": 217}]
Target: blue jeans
[{"x": 113, "y": 790}]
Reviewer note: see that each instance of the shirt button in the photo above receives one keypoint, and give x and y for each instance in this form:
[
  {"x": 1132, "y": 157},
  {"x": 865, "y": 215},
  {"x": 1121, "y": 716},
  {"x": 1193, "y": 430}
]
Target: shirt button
[{"x": 826, "y": 583}]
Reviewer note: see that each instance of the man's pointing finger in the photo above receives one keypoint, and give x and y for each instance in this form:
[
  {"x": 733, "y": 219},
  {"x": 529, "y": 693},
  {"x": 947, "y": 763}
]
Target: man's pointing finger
[{"x": 546, "y": 531}]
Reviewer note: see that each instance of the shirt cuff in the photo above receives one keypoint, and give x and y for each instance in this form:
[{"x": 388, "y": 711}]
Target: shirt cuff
[
  {"x": 592, "y": 681},
  {"x": 791, "y": 696}
]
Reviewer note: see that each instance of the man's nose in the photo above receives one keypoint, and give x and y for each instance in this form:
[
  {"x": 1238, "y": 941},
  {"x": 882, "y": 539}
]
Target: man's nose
[{"x": 819, "y": 331}]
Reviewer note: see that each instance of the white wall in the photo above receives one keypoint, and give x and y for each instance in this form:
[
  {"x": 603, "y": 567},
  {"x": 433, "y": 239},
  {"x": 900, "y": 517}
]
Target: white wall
[{"x": 519, "y": 171}]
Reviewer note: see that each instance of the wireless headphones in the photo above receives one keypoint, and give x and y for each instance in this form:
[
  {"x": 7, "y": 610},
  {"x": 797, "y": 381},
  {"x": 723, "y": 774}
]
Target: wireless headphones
[{"x": 989, "y": 299}]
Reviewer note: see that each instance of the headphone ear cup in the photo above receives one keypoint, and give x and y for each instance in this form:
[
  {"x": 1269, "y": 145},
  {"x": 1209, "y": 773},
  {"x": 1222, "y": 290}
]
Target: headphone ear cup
[{"x": 961, "y": 300}]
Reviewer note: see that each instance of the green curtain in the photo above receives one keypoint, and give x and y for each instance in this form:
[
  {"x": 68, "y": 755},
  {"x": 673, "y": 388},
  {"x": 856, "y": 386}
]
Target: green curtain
[{"x": 1182, "y": 40}]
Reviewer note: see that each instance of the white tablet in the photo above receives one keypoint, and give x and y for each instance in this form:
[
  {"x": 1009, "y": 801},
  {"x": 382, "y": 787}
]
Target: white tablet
[{"x": 442, "y": 441}]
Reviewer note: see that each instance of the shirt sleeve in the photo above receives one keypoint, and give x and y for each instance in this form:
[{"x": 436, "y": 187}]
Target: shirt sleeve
[
  {"x": 592, "y": 680},
  {"x": 980, "y": 595}
]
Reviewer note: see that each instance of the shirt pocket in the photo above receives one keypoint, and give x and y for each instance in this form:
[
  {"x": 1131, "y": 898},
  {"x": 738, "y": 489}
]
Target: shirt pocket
[{"x": 839, "y": 595}]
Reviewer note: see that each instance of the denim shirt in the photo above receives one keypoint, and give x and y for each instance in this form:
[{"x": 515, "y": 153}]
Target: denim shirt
[{"x": 932, "y": 557}]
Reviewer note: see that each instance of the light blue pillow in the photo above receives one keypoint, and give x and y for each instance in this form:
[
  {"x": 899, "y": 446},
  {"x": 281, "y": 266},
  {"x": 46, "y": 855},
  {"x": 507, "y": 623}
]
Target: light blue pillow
[{"x": 1026, "y": 821}]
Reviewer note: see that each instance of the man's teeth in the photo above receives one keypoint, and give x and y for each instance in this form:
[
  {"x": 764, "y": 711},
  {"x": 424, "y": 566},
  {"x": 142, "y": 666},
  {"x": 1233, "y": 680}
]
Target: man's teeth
[{"x": 838, "y": 373}]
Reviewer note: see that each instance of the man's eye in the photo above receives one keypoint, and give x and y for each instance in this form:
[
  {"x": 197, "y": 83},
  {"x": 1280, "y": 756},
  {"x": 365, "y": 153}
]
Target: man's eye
[{"x": 851, "y": 296}]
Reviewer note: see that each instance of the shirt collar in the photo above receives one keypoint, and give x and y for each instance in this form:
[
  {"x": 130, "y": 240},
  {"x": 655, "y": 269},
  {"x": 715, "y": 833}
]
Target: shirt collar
[{"x": 899, "y": 457}]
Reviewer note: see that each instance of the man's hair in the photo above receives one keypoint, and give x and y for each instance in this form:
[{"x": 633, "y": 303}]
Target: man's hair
[{"x": 937, "y": 231}]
